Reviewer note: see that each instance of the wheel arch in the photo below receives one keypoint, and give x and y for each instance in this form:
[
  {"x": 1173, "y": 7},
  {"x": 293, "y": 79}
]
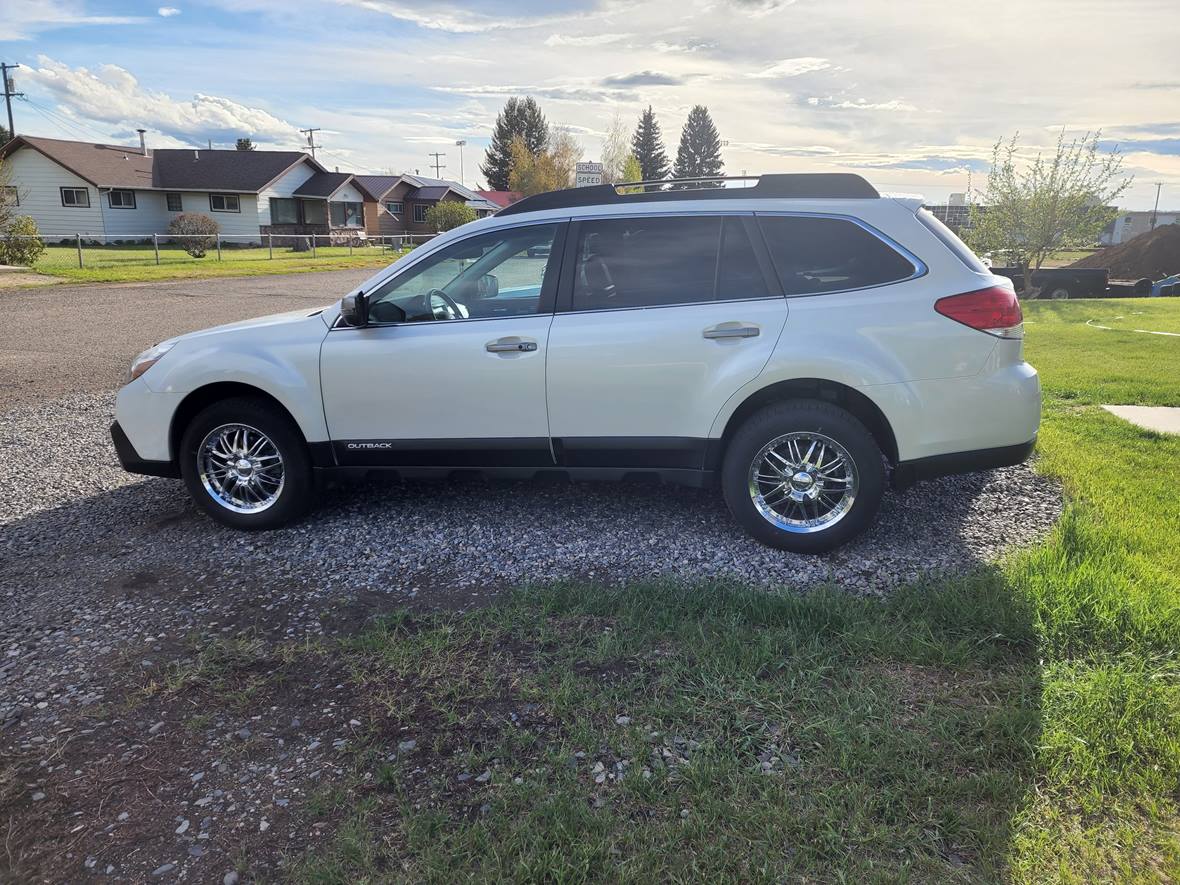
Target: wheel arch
[
  {"x": 824, "y": 390},
  {"x": 205, "y": 396}
]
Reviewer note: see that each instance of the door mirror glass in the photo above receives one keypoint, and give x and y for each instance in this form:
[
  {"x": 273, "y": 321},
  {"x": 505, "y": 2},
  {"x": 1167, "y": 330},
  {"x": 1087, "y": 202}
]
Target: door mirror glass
[
  {"x": 487, "y": 287},
  {"x": 354, "y": 309}
]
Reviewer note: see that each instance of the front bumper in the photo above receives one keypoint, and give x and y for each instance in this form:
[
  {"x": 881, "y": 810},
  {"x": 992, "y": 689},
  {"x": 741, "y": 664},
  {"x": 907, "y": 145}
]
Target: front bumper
[{"x": 133, "y": 463}]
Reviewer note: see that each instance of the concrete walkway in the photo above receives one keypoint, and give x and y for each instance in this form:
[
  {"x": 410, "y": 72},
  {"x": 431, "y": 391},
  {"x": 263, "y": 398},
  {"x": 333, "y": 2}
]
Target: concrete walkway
[{"x": 1162, "y": 419}]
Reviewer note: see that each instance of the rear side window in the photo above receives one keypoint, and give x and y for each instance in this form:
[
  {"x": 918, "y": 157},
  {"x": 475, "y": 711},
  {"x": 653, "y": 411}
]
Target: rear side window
[
  {"x": 951, "y": 241},
  {"x": 657, "y": 261},
  {"x": 814, "y": 255}
]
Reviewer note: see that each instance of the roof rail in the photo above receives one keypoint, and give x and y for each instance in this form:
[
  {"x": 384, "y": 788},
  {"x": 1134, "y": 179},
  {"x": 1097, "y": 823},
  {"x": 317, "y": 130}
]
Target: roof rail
[{"x": 811, "y": 185}]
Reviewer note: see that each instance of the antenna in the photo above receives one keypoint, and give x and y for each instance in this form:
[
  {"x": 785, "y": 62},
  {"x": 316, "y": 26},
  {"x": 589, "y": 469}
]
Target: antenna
[
  {"x": 310, "y": 133},
  {"x": 437, "y": 164}
]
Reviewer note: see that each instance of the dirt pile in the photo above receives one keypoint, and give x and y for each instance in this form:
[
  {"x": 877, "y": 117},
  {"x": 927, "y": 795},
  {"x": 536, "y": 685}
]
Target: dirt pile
[{"x": 1155, "y": 254}]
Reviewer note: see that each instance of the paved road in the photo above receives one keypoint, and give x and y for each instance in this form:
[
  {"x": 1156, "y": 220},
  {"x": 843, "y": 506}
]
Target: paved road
[{"x": 66, "y": 339}]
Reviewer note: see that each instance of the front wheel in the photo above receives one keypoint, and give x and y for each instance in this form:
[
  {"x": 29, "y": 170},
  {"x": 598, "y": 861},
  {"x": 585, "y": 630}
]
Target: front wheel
[
  {"x": 804, "y": 476},
  {"x": 246, "y": 464}
]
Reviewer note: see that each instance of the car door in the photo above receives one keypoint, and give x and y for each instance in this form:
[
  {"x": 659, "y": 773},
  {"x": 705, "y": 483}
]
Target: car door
[
  {"x": 660, "y": 320},
  {"x": 451, "y": 369}
]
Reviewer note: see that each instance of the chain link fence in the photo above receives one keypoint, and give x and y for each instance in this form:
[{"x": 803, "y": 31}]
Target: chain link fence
[{"x": 83, "y": 251}]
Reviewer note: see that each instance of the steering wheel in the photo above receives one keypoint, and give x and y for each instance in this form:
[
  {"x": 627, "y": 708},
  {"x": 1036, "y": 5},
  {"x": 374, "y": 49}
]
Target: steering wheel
[{"x": 451, "y": 308}]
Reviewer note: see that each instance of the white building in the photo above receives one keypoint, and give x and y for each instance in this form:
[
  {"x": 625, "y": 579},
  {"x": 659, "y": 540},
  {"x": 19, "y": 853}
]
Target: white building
[{"x": 1131, "y": 224}]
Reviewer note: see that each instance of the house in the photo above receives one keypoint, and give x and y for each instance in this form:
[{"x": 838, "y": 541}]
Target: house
[
  {"x": 501, "y": 198},
  {"x": 1128, "y": 224},
  {"x": 114, "y": 192},
  {"x": 397, "y": 204}
]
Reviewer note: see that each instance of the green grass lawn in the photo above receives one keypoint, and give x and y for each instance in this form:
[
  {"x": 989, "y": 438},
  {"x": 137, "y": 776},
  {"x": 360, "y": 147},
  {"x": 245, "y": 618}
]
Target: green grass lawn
[
  {"x": 1021, "y": 724},
  {"x": 136, "y": 263}
]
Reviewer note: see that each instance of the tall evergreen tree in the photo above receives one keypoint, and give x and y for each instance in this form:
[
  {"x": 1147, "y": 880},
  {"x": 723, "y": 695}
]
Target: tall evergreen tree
[
  {"x": 699, "y": 153},
  {"x": 648, "y": 147},
  {"x": 520, "y": 117},
  {"x": 244, "y": 144}
]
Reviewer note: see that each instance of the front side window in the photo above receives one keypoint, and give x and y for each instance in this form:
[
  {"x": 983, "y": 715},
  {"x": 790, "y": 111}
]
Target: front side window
[
  {"x": 175, "y": 203},
  {"x": 121, "y": 199},
  {"x": 658, "y": 261},
  {"x": 813, "y": 255},
  {"x": 314, "y": 212},
  {"x": 75, "y": 197},
  {"x": 420, "y": 213},
  {"x": 394, "y": 207},
  {"x": 347, "y": 214},
  {"x": 496, "y": 274},
  {"x": 224, "y": 203},
  {"x": 283, "y": 211}
]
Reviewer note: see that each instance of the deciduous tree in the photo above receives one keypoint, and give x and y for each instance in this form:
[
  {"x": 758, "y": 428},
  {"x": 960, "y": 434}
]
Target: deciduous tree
[
  {"x": 1033, "y": 207},
  {"x": 616, "y": 148},
  {"x": 521, "y": 118},
  {"x": 447, "y": 214},
  {"x": 549, "y": 169}
]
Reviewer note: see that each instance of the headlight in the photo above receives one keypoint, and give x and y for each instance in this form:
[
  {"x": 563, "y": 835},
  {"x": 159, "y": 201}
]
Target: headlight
[{"x": 147, "y": 359}]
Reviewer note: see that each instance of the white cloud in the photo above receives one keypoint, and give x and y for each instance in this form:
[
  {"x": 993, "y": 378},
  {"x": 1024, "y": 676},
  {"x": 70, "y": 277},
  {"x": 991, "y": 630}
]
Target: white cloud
[
  {"x": 454, "y": 19},
  {"x": 792, "y": 67},
  {"x": 861, "y": 105},
  {"x": 584, "y": 39},
  {"x": 25, "y": 19},
  {"x": 114, "y": 96},
  {"x": 167, "y": 11}
]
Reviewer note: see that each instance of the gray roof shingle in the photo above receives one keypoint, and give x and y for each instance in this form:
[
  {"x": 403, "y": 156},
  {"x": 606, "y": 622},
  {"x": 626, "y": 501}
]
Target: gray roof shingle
[{"x": 322, "y": 184}]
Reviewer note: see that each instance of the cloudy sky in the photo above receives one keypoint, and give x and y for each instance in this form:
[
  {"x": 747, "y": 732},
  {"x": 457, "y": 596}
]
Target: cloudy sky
[{"x": 912, "y": 93}]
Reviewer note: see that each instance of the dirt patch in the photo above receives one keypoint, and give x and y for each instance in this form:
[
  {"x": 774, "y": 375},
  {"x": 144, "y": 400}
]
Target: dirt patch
[{"x": 1155, "y": 254}]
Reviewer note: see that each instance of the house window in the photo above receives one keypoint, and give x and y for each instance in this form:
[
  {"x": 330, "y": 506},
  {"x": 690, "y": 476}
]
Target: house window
[
  {"x": 314, "y": 212},
  {"x": 121, "y": 199},
  {"x": 75, "y": 197},
  {"x": 9, "y": 196},
  {"x": 394, "y": 207},
  {"x": 224, "y": 203},
  {"x": 347, "y": 214},
  {"x": 420, "y": 213},
  {"x": 283, "y": 211},
  {"x": 175, "y": 204}
]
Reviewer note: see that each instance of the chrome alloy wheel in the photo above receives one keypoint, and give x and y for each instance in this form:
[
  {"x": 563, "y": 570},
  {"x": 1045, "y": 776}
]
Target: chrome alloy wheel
[
  {"x": 240, "y": 468},
  {"x": 803, "y": 482}
]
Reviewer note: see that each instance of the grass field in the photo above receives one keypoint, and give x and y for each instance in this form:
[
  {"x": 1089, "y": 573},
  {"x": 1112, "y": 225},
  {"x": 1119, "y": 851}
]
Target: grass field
[
  {"x": 135, "y": 263},
  {"x": 1022, "y": 724}
]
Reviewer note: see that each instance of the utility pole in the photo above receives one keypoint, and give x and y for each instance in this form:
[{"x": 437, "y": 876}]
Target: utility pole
[
  {"x": 1154, "y": 211},
  {"x": 310, "y": 133},
  {"x": 9, "y": 95},
  {"x": 460, "y": 144},
  {"x": 437, "y": 164}
]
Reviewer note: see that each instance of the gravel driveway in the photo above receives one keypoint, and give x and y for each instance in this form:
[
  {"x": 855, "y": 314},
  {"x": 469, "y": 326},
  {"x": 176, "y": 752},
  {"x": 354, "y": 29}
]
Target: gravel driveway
[{"x": 106, "y": 577}]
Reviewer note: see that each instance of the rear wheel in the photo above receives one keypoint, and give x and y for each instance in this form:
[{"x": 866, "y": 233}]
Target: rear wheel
[
  {"x": 804, "y": 476},
  {"x": 246, "y": 465},
  {"x": 1057, "y": 292}
]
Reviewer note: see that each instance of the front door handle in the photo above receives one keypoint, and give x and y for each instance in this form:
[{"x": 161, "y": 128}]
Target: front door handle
[
  {"x": 732, "y": 330},
  {"x": 511, "y": 345}
]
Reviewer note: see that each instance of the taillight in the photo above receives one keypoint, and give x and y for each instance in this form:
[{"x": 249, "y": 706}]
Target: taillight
[{"x": 994, "y": 310}]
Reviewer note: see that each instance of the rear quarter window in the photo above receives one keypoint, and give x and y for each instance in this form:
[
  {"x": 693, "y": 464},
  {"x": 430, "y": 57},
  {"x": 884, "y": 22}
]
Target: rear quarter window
[
  {"x": 813, "y": 255},
  {"x": 951, "y": 241}
]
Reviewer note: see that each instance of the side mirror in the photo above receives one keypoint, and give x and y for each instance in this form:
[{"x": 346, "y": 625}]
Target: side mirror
[
  {"x": 487, "y": 286},
  {"x": 354, "y": 309}
]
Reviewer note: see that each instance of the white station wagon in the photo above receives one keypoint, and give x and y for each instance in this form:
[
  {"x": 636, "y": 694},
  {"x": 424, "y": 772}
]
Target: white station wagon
[{"x": 801, "y": 342}]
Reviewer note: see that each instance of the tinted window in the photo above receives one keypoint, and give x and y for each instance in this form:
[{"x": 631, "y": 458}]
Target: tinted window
[
  {"x": 815, "y": 255},
  {"x": 641, "y": 262},
  {"x": 649, "y": 262},
  {"x": 738, "y": 272},
  {"x": 951, "y": 241},
  {"x": 496, "y": 274}
]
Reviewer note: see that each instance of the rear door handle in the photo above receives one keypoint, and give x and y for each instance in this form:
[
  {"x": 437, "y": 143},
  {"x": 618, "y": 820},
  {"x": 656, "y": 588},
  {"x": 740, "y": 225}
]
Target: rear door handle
[
  {"x": 732, "y": 330},
  {"x": 511, "y": 345}
]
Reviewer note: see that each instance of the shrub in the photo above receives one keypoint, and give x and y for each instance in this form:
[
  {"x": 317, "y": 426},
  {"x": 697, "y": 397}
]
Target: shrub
[
  {"x": 448, "y": 214},
  {"x": 21, "y": 243},
  {"x": 198, "y": 230}
]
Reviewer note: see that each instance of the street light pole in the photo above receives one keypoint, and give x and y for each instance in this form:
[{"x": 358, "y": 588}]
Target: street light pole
[
  {"x": 1155, "y": 211},
  {"x": 460, "y": 144}
]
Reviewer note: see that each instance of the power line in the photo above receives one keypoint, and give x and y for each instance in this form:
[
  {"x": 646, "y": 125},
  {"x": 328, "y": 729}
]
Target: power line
[
  {"x": 437, "y": 164},
  {"x": 69, "y": 125}
]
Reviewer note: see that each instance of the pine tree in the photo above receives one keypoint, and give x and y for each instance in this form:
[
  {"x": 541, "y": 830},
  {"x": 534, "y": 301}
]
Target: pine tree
[
  {"x": 520, "y": 117},
  {"x": 648, "y": 147},
  {"x": 244, "y": 144},
  {"x": 699, "y": 153}
]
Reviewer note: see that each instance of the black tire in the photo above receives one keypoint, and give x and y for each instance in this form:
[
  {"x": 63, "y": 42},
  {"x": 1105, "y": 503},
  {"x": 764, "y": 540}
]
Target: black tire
[
  {"x": 1057, "y": 292},
  {"x": 803, "y": 416},
  {"x": 294, "y": 495}
]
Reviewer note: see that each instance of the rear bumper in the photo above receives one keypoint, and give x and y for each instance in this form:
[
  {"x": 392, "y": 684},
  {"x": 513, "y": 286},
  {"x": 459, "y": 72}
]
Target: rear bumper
[
  {"x": 909, "y": 472},
  {"x": 133, "y": 463}
]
